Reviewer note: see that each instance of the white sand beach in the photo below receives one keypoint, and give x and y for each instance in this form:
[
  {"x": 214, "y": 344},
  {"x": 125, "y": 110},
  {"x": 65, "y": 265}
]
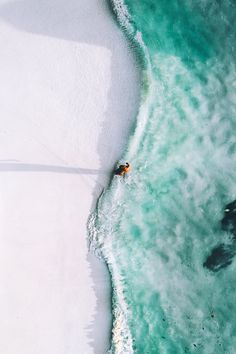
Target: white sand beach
[{"x": 68, "y": 95}]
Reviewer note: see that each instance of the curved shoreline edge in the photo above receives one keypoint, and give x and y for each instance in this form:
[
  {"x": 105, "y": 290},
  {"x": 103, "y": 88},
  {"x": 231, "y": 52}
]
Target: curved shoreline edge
[{"x": 121, "y": 339}]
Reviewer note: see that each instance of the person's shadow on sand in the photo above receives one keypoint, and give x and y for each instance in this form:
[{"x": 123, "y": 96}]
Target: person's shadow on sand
[{"x": 33, "y": 167}]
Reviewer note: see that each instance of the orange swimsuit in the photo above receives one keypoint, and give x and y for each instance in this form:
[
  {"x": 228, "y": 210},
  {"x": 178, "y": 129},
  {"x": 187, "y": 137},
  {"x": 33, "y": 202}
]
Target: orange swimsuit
[{"x": 124, "y": 168}]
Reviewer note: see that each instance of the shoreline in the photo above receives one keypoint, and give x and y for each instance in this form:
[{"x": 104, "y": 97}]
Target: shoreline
[
  {"x": 62, "y": 123},
  {"x": 121, "y": 338}
]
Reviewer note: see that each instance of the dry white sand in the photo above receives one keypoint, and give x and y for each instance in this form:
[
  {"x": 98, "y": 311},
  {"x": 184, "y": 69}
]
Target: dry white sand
[{"x": 68, "y": 94}]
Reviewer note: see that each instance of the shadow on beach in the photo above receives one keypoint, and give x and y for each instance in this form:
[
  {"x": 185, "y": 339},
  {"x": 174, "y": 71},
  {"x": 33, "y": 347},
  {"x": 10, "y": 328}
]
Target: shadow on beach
[{"x": 27, "y": 167}]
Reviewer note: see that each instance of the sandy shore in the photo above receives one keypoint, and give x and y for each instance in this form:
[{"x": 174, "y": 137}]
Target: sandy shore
[{"x": 68, "y": 94}]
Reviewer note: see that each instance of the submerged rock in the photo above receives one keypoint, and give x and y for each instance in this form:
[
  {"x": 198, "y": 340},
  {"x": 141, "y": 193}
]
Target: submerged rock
[{"x": 222, "y": 255}]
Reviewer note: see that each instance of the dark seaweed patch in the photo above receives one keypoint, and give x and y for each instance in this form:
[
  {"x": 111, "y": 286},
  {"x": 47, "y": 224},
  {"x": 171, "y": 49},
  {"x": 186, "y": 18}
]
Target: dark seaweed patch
[{"x": 222, "y": 255}]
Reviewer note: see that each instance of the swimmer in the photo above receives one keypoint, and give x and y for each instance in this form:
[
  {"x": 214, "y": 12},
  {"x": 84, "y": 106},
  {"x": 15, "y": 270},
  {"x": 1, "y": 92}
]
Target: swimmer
[{"x": 123, "y": 169}]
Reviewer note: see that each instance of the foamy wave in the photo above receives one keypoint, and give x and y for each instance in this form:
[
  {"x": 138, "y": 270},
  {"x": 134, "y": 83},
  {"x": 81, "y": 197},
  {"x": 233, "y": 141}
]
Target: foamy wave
[
  {"x": 125, "y": 22},
  {"x": 99, "y": 236},
  {"x": 123, "y": 15},
  {"x": 121, "y": 336}
]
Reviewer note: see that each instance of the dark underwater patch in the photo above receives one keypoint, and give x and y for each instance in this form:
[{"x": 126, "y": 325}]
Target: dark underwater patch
[{"x": 222, "y": 255}]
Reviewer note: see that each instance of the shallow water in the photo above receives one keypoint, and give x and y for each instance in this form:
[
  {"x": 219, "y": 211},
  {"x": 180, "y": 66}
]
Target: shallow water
[{"x": 163, "y": 230}]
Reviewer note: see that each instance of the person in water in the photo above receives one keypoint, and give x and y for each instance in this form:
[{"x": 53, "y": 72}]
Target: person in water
[{"x": 123, "y": 169}]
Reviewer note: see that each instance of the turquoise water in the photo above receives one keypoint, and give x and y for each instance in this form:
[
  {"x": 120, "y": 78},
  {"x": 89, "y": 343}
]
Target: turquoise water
[{"x": 170, "y": 256}]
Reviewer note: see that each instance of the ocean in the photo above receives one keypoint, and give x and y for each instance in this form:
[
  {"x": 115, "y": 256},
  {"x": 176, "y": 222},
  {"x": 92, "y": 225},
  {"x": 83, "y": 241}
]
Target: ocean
[{"x": 167, "y": 231}]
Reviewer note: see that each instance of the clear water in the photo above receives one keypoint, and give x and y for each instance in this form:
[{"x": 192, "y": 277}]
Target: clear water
[{"x": 158, "y": 228}]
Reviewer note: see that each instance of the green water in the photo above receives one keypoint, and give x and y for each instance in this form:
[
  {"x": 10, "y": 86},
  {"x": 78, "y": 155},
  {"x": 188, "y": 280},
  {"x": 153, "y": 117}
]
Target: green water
[{"x": 157, "y": 227}]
